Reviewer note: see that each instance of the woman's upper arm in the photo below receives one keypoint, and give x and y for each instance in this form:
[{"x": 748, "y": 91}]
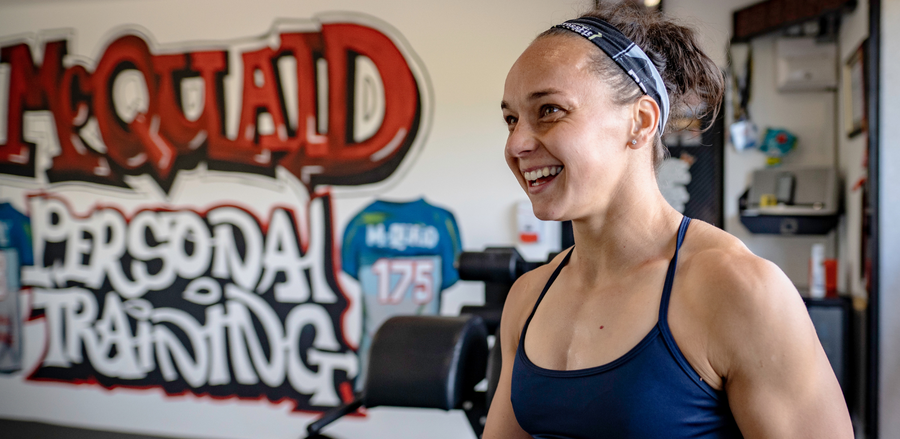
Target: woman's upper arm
[
  {"x": 501, "y": 421},
  {"x": 778, "y": 380}
]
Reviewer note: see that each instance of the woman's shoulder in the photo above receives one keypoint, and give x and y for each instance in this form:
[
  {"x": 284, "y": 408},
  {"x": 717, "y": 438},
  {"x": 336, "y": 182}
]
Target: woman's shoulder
[
  {"x": 755, "y": 334},
  {"x": 718, "y": 264},
  {"x": 740, "y": 300}
]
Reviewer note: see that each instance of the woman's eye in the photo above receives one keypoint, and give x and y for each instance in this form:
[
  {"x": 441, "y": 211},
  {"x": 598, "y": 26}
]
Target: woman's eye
[
  {"x": 510, "y": 120},
  {"x": 547, "y": 110}
]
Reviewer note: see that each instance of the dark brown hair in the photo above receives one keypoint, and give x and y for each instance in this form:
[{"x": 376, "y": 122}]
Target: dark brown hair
[{"x": 693, "y": 81}]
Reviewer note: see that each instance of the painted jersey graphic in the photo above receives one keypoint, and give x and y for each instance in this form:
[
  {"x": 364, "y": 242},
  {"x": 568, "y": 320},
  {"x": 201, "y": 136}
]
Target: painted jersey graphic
[
  {"x": 15, "y": 251},
  {"x": 403, "y": 256},
  {"x": 181, "y": 201}
]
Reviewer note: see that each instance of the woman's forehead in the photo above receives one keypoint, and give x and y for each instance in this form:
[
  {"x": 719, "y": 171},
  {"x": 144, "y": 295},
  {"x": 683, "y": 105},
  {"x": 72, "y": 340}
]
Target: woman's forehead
[{"x": 550, "y": 62}]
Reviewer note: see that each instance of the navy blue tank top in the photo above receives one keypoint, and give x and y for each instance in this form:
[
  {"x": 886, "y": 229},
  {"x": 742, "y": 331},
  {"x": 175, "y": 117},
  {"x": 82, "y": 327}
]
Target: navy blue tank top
[{"x": 650, "y": 392}]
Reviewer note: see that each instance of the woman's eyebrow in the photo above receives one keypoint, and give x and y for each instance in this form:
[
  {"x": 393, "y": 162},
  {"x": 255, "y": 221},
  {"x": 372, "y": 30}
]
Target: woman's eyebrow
[
  {"x": 541, "y": 93},
  {"x": 533, "y": 96}
]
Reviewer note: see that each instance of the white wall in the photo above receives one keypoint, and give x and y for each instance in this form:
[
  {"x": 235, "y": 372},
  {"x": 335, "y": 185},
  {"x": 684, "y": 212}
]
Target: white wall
[{"x": 889, "y": 423}]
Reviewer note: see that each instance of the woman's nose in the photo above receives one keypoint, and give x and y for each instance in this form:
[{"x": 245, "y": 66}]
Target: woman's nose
[{"x": 521, "y": 141}]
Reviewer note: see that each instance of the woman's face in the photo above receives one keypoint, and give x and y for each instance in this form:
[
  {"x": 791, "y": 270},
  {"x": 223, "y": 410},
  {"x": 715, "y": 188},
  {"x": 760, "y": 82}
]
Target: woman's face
[{"x": 568, "y": 140}]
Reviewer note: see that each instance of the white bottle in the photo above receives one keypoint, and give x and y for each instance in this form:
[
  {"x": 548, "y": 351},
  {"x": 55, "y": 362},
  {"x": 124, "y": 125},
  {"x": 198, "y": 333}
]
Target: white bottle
[{"x": 817, "y": 271}]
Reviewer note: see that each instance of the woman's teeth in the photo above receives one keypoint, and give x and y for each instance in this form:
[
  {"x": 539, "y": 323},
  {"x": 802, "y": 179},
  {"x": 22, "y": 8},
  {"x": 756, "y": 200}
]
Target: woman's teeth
[{"x": 533, "y": 176}]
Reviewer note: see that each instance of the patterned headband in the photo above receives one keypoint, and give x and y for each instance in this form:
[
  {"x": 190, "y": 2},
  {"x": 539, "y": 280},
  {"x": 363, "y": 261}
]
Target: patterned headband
[{"x": 627, "y": 55}]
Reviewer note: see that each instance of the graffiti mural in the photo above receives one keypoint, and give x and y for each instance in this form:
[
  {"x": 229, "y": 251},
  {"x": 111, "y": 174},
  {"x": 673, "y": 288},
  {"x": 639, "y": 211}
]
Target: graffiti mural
[
  {"x": 140, "y": 112},
  {"x": 236, "y": 297}
]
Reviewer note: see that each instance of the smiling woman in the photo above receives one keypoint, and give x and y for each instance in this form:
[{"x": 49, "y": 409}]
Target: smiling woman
[{"x": 652, "y": 325}]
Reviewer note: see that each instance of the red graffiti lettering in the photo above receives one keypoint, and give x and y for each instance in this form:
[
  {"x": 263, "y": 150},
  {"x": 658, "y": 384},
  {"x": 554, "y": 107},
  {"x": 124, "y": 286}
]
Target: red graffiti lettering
[
  {"x": 363, "y": 162},
  {"x": 71, "y": 116},
  {"x": 175, "y": 126},
  {"x": 30, "y": 88},
  {"x": 140, "y": 111}
]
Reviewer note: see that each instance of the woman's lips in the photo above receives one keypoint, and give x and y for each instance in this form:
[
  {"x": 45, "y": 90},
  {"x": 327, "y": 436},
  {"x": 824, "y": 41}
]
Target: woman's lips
[{"x": 539, "y": 176}]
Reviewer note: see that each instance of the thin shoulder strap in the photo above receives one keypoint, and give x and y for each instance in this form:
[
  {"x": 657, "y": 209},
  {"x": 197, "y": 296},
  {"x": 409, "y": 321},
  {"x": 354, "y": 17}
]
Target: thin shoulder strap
[
  {"x": 670, "y": 274},
  {"x": 546, "y": 287}
]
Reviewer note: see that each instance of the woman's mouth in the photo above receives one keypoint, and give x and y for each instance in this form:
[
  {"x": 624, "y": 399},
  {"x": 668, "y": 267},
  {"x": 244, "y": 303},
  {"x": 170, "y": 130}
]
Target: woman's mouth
[{"x": 541, "y": 176}]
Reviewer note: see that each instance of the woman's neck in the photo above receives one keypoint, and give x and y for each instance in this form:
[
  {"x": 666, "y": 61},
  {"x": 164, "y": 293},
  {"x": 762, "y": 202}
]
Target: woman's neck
[{"x": 637, "y": 227}]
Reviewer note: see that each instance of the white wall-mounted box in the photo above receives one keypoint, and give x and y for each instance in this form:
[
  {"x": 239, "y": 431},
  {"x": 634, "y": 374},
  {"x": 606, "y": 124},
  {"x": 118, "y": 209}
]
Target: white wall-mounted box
[{"x": 803, "y": 64}]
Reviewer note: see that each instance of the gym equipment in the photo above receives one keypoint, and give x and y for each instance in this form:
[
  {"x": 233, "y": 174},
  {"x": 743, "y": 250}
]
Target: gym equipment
[
  {"x": 436, "y": 362},
  {"x": 498, "y": 268},
  {"x": 422, "y": 361}
]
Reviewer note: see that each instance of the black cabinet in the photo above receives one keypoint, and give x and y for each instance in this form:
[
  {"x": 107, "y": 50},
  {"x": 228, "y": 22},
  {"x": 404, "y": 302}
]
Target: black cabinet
[{"x": 832, "y": 319}]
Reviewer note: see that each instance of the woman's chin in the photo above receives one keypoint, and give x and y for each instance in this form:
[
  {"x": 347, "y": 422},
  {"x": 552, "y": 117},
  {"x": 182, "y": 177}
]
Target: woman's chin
[{"x": 548, "y": 214}]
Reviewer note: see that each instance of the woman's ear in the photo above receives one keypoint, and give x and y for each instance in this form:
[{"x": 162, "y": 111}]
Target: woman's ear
[{"x": 646, "y": 119}]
